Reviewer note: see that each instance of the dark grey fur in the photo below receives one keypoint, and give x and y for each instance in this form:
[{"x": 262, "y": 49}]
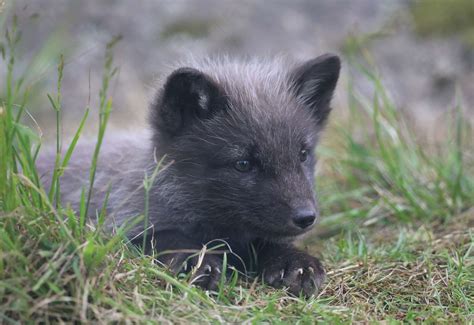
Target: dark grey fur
[{"x": 205, "y": 118}]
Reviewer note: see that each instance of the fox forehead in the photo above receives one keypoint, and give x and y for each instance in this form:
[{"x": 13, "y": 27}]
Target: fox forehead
[{"x": 249, "y": 83}]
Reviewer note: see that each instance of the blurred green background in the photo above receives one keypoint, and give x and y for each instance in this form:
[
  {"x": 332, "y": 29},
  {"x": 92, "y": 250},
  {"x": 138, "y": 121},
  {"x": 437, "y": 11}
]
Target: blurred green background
[{"x": 424, "y": 50}]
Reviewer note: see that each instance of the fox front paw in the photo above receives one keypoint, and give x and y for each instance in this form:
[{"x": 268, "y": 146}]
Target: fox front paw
[
  {"x": 300, "y": 273},
  {"x": 205, "y": 271}
]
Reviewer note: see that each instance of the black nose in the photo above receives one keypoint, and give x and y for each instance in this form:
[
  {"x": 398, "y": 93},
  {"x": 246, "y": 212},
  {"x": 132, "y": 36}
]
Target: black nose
[{"x": 304, "y": 218}]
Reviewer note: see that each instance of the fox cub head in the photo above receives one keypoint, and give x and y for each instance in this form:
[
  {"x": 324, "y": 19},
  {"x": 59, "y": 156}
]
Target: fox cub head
[{"x": 241, "y": 136}]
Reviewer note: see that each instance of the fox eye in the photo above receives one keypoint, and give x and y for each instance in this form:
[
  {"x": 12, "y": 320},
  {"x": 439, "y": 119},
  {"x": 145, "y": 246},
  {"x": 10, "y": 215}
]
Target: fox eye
[
  {"x": 304, "y": 155},
  {"x": 243, "y": 165}
]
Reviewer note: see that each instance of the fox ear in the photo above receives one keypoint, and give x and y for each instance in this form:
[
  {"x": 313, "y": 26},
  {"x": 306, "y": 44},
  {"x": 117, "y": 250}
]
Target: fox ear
[
  {"x": 314, "y": 83},
  {"x": 188, "y": 95}
]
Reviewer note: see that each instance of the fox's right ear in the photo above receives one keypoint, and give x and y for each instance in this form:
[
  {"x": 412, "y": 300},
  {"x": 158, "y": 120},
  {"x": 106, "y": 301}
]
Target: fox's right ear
[{"x": 187, "y": 96}]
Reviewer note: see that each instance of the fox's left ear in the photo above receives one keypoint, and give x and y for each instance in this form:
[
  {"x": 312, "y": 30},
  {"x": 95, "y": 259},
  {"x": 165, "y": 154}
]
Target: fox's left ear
[{"x": 314, "y": 82}]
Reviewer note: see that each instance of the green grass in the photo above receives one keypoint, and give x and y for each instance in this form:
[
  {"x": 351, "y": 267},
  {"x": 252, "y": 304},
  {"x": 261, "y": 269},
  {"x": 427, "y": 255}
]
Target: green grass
[
  {"x": 444, "y": 18},
  {"x": 396, "y": 237}
]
